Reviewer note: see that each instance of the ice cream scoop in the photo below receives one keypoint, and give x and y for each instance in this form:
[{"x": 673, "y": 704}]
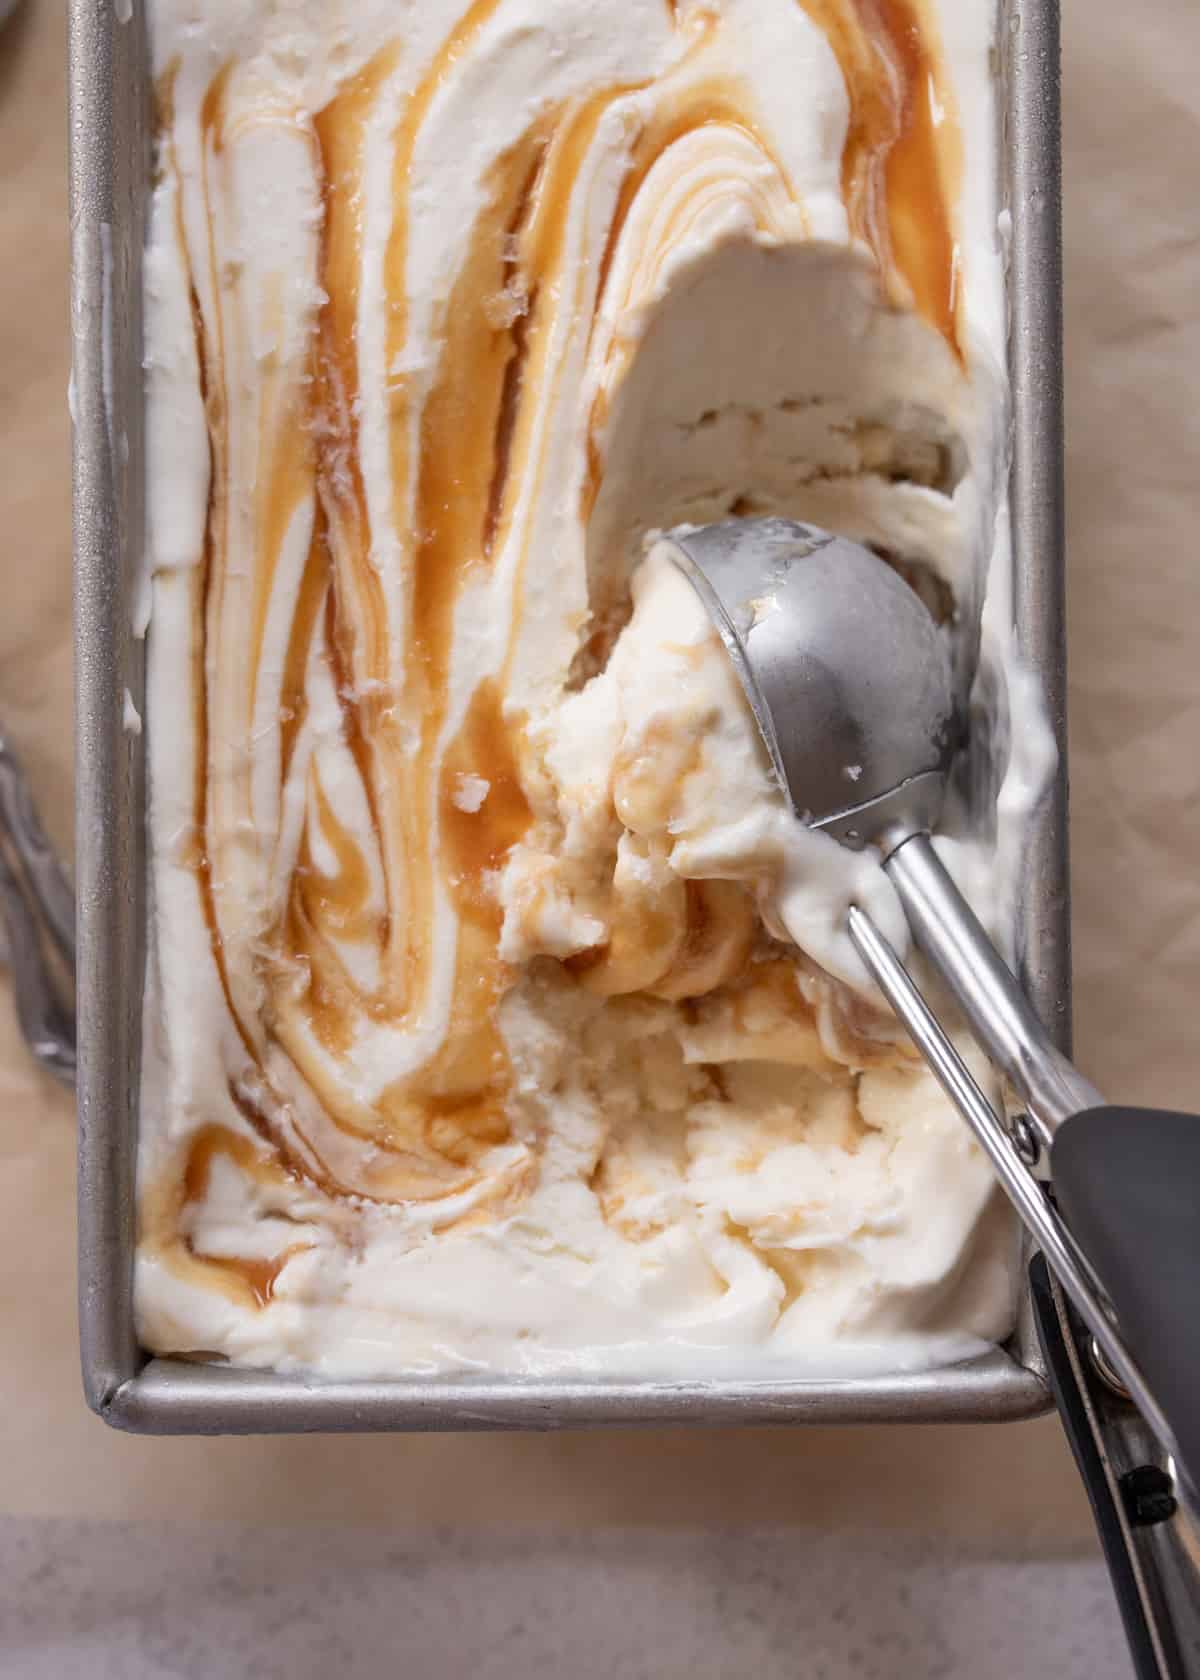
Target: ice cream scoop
[
  {"x": 848, "y": 675},
  {"x": 851, "y": 682}
]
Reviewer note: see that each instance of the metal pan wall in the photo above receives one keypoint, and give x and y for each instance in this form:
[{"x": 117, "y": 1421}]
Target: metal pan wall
[{"x": 110, "y": 115}]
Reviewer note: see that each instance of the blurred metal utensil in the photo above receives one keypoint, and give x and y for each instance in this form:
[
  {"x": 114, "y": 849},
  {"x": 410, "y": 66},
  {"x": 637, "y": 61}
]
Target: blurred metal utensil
[{"x": 37, "y": 912}]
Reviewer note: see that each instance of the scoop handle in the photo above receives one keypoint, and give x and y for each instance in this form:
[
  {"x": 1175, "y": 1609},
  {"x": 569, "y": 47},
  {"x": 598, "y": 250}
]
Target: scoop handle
[
  {"x": 1127, "y": 1181},
  {"x": 1001, "y": 1017}
]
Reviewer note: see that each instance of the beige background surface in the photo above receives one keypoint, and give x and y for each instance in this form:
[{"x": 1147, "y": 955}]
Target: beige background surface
[{"x": 1133, "y": 249}]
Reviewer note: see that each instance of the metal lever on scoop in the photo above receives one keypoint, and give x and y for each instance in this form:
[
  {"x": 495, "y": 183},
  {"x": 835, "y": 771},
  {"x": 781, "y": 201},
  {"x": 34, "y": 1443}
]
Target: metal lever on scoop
[
  {"x": 851, "y": 683},
  {"x": 1001, "y": 1017},
  {"x": 1027, "y": 1195}
]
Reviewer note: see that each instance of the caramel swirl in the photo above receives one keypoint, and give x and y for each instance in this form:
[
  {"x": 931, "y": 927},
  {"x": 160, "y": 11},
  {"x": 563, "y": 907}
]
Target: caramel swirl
[
  {"x": 402, "y": 416},
  {"x": 902, "y": 157}
]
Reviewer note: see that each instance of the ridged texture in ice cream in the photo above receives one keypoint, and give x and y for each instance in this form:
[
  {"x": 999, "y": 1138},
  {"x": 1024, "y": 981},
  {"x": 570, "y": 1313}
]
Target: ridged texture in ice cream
[{"x": 476, "y": 1035}]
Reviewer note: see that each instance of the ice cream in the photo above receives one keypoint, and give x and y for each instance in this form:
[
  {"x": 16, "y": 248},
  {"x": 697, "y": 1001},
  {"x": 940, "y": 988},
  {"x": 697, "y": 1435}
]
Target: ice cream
[{"x": 498, "y": 1012}]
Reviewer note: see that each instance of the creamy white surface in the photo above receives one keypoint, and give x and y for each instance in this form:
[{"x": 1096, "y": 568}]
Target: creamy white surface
[{"x": 815, "y": 1206}]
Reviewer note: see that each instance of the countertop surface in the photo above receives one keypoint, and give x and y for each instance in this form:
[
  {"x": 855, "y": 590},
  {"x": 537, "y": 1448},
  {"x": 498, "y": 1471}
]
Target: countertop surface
[{"x": 815, "y": 1552}]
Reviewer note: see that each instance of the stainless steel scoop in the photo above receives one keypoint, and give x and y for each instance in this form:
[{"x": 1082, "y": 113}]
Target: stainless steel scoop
[{"x": 851, "y": 682}]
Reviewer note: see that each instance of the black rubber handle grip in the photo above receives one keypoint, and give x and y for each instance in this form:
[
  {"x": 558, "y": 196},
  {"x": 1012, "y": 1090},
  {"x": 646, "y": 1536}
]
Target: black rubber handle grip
[{"x": 1128, "y": 1184}]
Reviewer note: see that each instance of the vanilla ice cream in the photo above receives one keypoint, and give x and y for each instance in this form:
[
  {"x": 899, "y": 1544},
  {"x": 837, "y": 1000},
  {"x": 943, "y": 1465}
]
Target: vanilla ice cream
[{"x": 499, "y": 1014}]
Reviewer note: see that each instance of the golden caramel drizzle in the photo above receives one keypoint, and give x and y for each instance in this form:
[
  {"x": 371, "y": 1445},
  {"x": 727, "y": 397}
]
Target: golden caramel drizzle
[
  {"x": 517, "y": 303},
  {"x": 902, "y": 159},
  {"x": 246, "y": 1280},
  {"x": 240, "y": 1274},
  {"x": 339, "y": 900},
  {"x": 342, "y": 605},
  {"x": 721, "y": 927},
  {"x": 477, "y": 452},
  {"x": 713, "y": 101},
  {"x": 210, "y": 359},
  {"x": 280, "y": 492},
  {"x": 407, "y": 810},
  {"x": 455, "y": 1106},
  {"x": 339, "y": 571}
]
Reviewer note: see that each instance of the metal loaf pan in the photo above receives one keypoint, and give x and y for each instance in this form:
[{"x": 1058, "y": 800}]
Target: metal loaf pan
[{"x": 110, "y": 114}]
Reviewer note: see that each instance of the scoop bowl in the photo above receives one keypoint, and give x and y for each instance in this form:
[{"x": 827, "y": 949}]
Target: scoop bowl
[{"x": 849, "y": 677}]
